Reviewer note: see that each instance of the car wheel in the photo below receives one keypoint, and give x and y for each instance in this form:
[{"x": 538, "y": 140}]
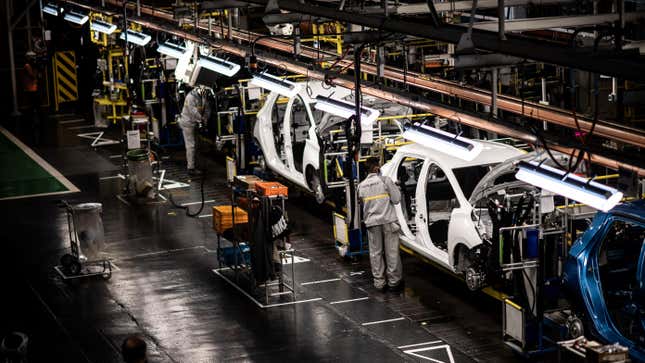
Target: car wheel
[
  {"x": 474, "y": 279},
  {"x": 316, "y": 186}
]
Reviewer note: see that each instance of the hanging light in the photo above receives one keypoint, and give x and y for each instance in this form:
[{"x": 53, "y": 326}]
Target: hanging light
[
  {"x": 76, "y": 17},
  {"x": 172, "y": 50},
  {"x": 221, "y": 66},
  {"x": 443, "y": 141},
  {"x": 345, "y": 109},
  {"x": 569, "y": 185},
  {"x": 135, "y": 37},
  {"x": 102, "y": 26},
  {"x": 272, "y": 83},
  {"x": 50, "y": 9}
]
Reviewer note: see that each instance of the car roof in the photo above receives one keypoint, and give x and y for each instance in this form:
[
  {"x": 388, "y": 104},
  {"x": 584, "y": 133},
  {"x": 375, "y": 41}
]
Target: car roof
[{"x": 492, "y": 153}]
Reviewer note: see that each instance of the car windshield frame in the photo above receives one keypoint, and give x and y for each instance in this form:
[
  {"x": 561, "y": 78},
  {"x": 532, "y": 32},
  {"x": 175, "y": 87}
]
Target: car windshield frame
[{"x": 467, "y": 184}]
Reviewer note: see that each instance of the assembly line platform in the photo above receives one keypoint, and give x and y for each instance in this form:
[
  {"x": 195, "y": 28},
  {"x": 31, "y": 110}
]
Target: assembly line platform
[{"x": 164, "y": 286}]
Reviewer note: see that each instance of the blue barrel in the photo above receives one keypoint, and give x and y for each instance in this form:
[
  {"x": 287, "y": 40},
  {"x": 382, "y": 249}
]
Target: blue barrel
[{"x": 532, "y": 243}]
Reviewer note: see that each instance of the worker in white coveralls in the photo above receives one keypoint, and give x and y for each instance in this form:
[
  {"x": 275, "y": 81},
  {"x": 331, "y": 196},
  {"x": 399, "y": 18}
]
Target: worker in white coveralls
[
  {"x": 195, "y": 112},
  {"x": 379, "y": 194}
]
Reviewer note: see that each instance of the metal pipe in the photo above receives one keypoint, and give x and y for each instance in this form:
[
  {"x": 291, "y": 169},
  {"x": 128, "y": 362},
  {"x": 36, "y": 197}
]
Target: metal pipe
[
  {"x": 12, "y": 60},
  {"x": 30, "y": 41},
  {"x": 493, "y": 99},
  {"x": 436, "y": 109},
  {"x": 423, "y": 81},
  {"x": 501, "y": 17},
  {"x": 519, "y": 46}
]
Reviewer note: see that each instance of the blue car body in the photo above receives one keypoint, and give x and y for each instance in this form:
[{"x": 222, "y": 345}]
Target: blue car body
[{"x": 582, "y": 277}]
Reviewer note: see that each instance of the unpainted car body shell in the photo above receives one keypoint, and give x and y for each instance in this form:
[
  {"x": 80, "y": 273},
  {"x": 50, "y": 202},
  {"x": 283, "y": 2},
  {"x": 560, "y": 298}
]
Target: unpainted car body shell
[{"x": 461, "y": 228}]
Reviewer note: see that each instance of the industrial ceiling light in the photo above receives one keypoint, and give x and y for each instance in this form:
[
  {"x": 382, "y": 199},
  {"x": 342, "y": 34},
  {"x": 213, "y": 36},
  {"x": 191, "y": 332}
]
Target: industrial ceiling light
[
  {"x": 76, "y": 17},
  {"x": 50, "y": 9},
  {"x": 569, "y": 185},
  {"x": 272, "y": 83},
  {"x": 345, "y": 109},
  {"x": 221, "y": 66},
  {"x": 443, "y": 141},
  {"x": 172, "y": 50},
  {"x": 135, "y": 37},
  {"x": 102, "y": 26}
]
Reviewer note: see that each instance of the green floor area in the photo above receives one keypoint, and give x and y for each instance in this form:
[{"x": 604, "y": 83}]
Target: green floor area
[{"x": 24, "y": 174}]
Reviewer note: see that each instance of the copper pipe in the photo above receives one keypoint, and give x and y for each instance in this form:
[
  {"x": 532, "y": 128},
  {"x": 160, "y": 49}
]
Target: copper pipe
[
  {"x": 507, "y": 103},
  {"x": 439, "y": 110}
]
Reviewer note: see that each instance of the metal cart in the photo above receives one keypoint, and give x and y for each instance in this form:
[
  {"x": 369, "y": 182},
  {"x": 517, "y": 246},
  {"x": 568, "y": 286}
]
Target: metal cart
[{"x": 74, "y": 264}]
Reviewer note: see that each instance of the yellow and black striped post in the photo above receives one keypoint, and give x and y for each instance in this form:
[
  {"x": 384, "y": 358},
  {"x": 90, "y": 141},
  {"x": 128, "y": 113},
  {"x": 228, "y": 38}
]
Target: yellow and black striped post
[{"x": 65, "y": 77}]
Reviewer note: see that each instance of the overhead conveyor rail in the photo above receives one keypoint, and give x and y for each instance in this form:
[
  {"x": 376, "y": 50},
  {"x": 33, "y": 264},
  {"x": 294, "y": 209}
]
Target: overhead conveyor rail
[
  {"x": 426, "y": 106},
  {"x": 530, "y": 109}
]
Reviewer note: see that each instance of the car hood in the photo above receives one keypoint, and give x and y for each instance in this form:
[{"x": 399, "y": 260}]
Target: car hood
[{"x": 486, "y": 185}]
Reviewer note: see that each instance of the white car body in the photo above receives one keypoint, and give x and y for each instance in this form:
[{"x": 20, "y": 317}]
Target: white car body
[
  {"x": 461, "y": 226},
  {"x": 290, "y": 141}
]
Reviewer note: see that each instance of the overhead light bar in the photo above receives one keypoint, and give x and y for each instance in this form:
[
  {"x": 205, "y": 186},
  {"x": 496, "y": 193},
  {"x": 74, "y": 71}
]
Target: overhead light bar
[
  {"x": 275, "y": 84},
  {"x": 50, "y": 9},
  {"x": 102, "y": 27},
  {"x": 172, "y": 50},
  {"x": 221, "y": 66},
  {"x": 345, "y": 109},
  {"x": 569, "y": 185},
  {"x": 135, "y": 37},
  {"x": 76, "y": 17},
  {"x": 443, "y": 141}
]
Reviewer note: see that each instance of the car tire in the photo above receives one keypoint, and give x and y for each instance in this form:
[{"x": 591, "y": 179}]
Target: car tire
[{"x": 317, "y": 188}]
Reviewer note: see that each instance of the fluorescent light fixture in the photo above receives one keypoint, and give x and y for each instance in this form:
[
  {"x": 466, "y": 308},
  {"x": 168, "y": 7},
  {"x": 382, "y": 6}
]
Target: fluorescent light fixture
[
  {"x": 345, "y": 109},
  {"x": 135, "y": 37},
  {"x": 272, "y": 83},
  {"x": 76, "y": 17},
  {"x": 569, "y": 185},
  {"x": 443, "y": 141},
  {"x": 50, "y": 9},
  {"x": 172, "y": 50},
  {"x": 102, "y": 27},
  {"x": 218, "y": 65}
]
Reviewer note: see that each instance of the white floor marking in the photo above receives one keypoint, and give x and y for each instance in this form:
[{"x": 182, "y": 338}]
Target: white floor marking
[
  {"x": 113, "y": 177},
  {"x": 115, "y": 156},
  {"x": 320, "y": 281},
  {"x": 356, "y": 273},
  {"x": 415, "y": 352},
  {"x": 205, "y": 215},
  {"x": 98, "y": 139},
  {"x": 71, "y": 188},
  {"x": 296, "y": 259},
  {"x": 383, "y": 321},
  {"x": 292, "y": 302},
  {"x": 163, "y": 252},
  {"x": 348, "y": 300},
  {"x": 193, "y": 203},
  {"x": 263, "y": 306},
  {"x": 418, "y": 344}
]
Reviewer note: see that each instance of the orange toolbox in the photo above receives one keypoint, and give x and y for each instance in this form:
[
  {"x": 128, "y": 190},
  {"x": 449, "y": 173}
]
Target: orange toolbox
[
  {"x": 271, "y": 189},
  {"x": 223, "y": 218}
]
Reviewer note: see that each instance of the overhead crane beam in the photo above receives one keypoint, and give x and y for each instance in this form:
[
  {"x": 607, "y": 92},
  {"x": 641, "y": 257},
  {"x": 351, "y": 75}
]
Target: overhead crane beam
[
  {"x": 422, "y": 8},
  {"x": 515, "y": 45},
  {"x": 437, "y": 109},
  {"x": 507, "y": 103}
]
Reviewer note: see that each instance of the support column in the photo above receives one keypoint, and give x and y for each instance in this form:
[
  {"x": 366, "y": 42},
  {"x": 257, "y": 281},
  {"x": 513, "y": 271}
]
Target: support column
[{"x": 12, "y": 60}]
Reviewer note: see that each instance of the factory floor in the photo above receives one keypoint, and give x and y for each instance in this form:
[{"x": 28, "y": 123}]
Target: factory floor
[{"x": 163, "y": 286}]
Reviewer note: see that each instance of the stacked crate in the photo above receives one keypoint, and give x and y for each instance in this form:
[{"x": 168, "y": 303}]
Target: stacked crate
[{"x": 223, "y": 217}]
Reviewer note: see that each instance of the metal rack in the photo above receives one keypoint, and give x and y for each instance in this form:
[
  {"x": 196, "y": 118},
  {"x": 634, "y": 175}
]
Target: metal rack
[{"x": 241, "y": 265}]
